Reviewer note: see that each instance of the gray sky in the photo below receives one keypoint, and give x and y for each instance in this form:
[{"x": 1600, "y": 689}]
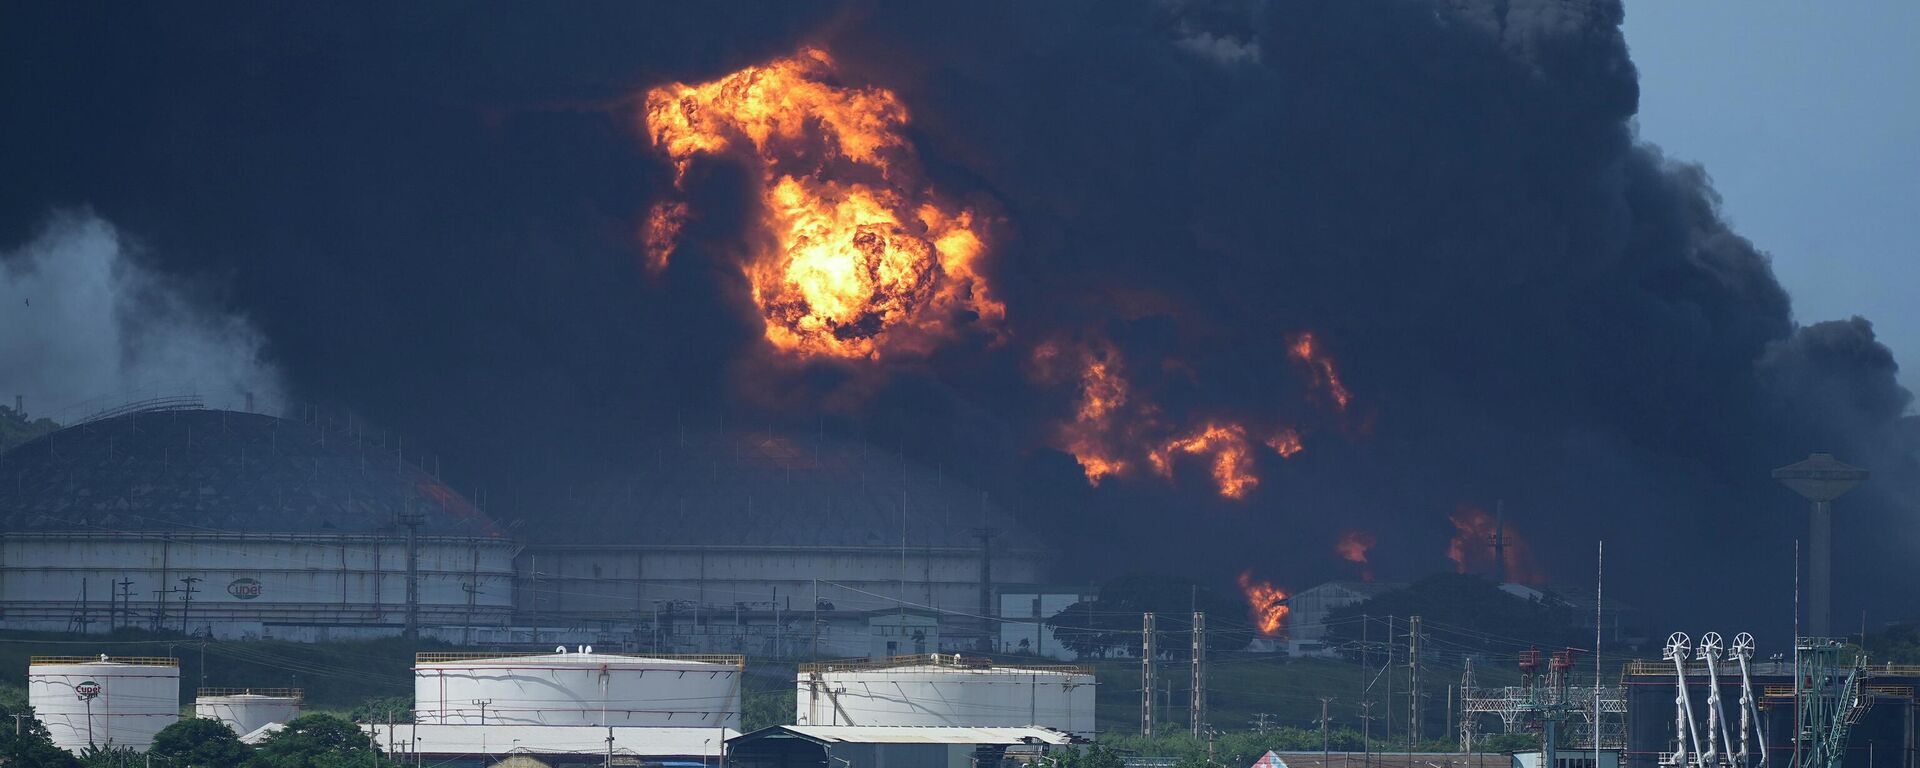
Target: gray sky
[{"x": 1807, "y": 116}]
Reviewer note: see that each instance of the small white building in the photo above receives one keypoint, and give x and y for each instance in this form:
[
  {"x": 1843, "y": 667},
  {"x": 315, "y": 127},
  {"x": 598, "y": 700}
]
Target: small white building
[
  {"x": 902, "y": 632},
  {"x": 1024, "y": 611},
  {"x": 1308, "y": 609}
]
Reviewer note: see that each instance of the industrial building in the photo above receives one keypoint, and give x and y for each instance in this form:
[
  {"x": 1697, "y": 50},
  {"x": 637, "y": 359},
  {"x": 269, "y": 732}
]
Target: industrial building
[
  {"x": 166, "y": 515},
  {"x": 796, "y": 746},
  {"x": 547, "y": 746},
  {"x": 1882, "y": 731},
  {"x": 945, "y": 690}
]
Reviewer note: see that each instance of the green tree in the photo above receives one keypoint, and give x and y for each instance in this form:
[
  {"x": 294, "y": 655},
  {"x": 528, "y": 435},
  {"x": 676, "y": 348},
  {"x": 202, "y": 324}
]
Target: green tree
[
  {"x": 1110, "y": 624},
  {"x": 199, "y": 743},
  {"x": 384, "y": 709},
  {"x": 316, "y": 741},
  {"x": 111, "y": 757},
  {"x": 32, "y": 745}
]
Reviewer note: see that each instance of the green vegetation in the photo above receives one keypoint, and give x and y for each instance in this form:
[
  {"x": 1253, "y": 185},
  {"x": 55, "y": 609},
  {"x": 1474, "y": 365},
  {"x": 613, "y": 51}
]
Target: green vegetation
[
  {"x": 200, "y": 743},
  {"x": 1110, "y": 625},
  {"x": 317, "y": 741},
  {"x": 16, "y": 428},
  {"x": 1474, "y": 614}
]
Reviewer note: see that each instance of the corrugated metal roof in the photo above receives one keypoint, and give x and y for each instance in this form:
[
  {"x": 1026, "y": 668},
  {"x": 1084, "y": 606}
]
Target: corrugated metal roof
[
  {"x": 433, "y": 739},
  {"x": 903, "y": 734}
]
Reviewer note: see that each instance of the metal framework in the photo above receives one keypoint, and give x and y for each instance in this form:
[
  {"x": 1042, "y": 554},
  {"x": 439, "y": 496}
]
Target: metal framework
[{"x": 1546, "y": 699}]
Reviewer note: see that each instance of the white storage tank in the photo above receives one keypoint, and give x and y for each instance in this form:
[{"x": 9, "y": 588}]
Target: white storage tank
[
  {"x": 246, "y": 709},
  {"x": 103, "y": 701},
  {"x": 577, "y": 688},
  {"x": 945, "y": 690}
]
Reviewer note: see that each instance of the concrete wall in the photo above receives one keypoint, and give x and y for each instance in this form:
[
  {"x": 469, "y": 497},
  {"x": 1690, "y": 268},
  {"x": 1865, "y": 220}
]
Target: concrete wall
[{"x": 250, "y": 585}]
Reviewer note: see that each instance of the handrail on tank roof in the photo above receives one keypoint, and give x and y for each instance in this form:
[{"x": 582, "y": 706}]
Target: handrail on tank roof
[
  {"x": 174, "y": 403},
  {"x": 433, "y": 657},
  {"x": 144, "y": 661},
  {"x": 947, "y": 660},
  {"x": 279, "y": 693}
]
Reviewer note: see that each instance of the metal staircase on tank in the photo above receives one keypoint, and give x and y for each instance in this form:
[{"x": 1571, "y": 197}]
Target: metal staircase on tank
[{"x": 1829, "y": 704}]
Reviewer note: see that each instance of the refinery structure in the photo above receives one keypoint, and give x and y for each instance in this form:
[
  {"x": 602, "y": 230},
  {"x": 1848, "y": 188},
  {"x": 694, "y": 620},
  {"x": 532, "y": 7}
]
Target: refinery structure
[
  {"x": 165, "y": 515},
  {"x": 622, "y": 625}
]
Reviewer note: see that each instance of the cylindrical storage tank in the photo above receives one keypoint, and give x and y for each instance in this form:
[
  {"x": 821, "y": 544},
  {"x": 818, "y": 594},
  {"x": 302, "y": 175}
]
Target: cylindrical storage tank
[
  {"x": 577, "y": 688},
  {"x": 936, "y": 690},
  {"x": 104, "y": 702},
  {"x": 246, "y": 709}
]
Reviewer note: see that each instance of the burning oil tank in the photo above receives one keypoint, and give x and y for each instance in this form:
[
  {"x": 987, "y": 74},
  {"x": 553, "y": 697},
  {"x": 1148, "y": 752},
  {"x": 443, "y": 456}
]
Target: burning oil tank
[
  {"x": 945, "y": 690},
  {"x": 246, "y": 709},
  {"x": 105, "y": 702},
  {"x": 577, "y": 688}
]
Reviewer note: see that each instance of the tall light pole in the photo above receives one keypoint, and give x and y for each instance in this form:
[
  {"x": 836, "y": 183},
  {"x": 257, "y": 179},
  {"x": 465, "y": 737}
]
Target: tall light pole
[{"x": 1820, "y": 479}]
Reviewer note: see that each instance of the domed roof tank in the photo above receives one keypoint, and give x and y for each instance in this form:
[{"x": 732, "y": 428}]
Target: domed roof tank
[{"x": 198, "y": 469}]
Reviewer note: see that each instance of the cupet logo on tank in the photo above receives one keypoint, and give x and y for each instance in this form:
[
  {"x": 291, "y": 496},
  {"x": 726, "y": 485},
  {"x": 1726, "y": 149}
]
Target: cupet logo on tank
[
  {"x": 245, "y": 589},
  {"x": 87, "y": 689}
]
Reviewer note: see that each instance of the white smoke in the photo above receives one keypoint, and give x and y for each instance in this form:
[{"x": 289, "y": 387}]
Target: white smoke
[{"x": 85, "y": 327}]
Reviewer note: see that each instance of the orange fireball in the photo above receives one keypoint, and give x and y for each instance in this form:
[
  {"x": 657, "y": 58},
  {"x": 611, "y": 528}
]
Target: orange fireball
[
  {"x": 1266, "y": 604},
  {"x": 860, "y": 257}
]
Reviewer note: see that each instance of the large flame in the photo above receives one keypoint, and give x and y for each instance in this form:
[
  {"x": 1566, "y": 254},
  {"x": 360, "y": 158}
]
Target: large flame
[
  {"x": 1103, "y": 391},
  {"x": 1114, "y": 429},
  {"x": 1322, "y": 368},
  {"x": 862, "y": 257},
  {"x": 1472, "y": 547},
  {"x": 1266, "y": 604},
  {"x": 1227, "y": 444}
]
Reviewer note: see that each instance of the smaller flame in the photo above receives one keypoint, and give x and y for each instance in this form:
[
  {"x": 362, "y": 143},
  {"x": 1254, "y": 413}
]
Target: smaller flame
[
  {"x": 1324, "y": 373},
  {"x": 664, "y": 223},
  {"x": 1353, "y": 547},
  {"x": 1472, "y": 550},
  {"x": 1266, "y": 604}
]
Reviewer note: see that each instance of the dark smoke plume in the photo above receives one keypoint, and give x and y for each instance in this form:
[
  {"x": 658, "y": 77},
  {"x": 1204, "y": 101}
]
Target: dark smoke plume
[{"x": 434, "y": 222}]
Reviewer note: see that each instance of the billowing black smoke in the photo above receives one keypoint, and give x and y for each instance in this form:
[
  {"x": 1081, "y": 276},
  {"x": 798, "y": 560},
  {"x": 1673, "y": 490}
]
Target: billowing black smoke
[{"x": 434, "y": 221}]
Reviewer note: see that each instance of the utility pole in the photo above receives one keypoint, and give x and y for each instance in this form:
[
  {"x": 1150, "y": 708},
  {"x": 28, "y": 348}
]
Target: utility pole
[
  {"x": 1326, "y": 742},
  {"x": 466, "y": 633},
  {"x": 1499, "y": 542},
  {"x": 1197, "y": 708},
  {"x": 413, "y": 519},
  {"x": 609, "y": 762},
  {"x": 186, "y": 601},
  {"x": 986, "y": 537},
  {"x": 1366, "y": 733},
  {"x": 483, "y": 709},
  {"x": 1147, "y": 685},
  {"x": 1413, "y": 681},
  {"x": 160, "y": 608}
]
